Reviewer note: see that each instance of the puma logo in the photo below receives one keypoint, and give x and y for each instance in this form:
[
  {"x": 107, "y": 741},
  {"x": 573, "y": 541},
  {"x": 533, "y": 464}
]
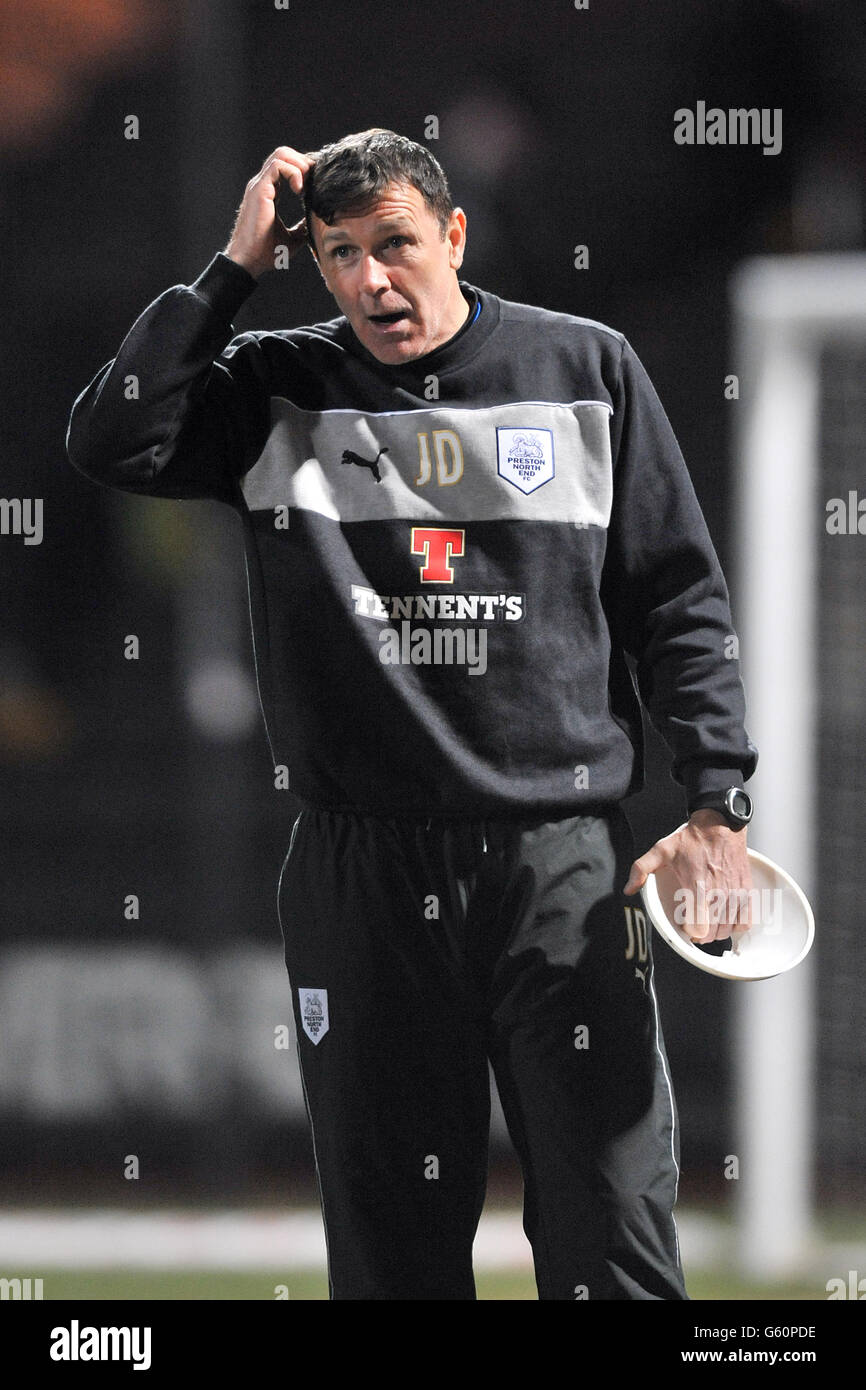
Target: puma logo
[{"x": 349, "y": 456}]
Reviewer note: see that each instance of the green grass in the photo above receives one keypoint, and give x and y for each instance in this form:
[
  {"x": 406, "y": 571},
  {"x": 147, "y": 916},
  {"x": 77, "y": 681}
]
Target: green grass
[{"x": 179, "y": 1285}]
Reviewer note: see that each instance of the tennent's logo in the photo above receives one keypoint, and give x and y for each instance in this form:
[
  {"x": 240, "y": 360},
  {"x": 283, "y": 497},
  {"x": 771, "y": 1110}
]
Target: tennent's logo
[
  {"x": 437, "y": 545},
  {"x": 433, "y": 645}
]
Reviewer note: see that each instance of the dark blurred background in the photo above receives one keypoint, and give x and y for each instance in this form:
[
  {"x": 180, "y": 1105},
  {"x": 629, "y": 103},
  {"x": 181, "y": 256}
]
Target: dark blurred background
[{"x": 149, "y": 1029}]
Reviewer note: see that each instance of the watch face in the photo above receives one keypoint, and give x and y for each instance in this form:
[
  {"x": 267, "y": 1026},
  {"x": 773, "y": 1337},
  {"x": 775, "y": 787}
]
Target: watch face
[{"x": 741, "y": 804}]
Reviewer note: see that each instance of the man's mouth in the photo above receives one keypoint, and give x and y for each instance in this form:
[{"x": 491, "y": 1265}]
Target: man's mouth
[{"x": 388, "y": 320}]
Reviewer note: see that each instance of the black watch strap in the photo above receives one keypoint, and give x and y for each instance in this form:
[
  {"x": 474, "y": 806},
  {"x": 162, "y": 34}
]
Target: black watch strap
[{"x": 734, "y": 804}]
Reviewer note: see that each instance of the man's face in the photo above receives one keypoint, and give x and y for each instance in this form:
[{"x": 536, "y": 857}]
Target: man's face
[{"x": 393, "y": 275}]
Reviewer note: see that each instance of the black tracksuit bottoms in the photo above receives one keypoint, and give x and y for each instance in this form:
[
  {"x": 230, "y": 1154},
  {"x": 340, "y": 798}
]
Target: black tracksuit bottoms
[{"x": 418, "y": 951}]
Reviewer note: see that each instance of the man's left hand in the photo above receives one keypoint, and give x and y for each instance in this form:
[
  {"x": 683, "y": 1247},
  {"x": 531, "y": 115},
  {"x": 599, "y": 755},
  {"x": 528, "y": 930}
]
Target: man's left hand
[{"x": 706, "y": 856}]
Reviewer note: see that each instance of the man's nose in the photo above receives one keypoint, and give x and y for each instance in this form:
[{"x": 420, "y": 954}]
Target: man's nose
[{"x": 373, "y": 278}]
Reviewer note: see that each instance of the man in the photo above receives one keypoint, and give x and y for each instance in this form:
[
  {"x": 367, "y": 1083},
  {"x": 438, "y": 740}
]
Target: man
[{"x": 459, "y": 513}]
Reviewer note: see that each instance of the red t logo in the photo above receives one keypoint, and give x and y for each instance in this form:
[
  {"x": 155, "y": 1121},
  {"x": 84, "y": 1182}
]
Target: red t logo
[{"x": 437, "y": 546}]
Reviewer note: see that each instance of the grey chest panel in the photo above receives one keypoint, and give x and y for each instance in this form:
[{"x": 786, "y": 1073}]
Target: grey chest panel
[{"x": 529, "y": 460}]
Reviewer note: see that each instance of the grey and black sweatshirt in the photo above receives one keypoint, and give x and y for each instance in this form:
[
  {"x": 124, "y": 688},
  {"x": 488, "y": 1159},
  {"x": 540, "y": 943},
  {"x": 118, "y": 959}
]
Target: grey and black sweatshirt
[{"x": 447, "y": 558}]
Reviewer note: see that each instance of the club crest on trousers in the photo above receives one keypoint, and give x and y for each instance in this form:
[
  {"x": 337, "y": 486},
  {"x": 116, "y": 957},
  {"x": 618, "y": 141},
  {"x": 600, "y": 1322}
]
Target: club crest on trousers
[{"x": 314, "y": 1013}]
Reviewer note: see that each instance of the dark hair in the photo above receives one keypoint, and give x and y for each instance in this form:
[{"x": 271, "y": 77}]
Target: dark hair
[{"x": 351, "y": 174}]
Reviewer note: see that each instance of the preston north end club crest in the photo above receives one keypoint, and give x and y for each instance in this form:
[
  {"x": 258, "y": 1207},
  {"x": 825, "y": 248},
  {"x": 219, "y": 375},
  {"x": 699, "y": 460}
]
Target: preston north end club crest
[
  {"x": 314, "y": 1013},
  {"x": 525, "y": 457}
]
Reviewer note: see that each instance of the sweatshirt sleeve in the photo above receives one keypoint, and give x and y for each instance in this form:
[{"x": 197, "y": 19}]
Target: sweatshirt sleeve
[
  {"x": 181, "y": 411},
  {"x": 666, "y": 597}
]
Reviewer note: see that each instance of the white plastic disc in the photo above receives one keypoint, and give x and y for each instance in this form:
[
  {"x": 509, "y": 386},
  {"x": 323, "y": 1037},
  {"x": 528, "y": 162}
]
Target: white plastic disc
[{"x": 781, "y": 935}]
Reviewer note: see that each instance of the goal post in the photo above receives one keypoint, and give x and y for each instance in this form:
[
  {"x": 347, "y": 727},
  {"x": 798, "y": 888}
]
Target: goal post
[{"x": 785, "y": 312}]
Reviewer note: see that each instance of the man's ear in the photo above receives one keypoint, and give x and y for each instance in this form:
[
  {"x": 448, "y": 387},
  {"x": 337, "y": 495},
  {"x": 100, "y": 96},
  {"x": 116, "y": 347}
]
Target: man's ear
[{"x": 456, "y": 235}]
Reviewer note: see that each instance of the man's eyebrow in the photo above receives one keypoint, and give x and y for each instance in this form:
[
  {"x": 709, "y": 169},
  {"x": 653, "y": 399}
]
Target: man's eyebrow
[{"x": 391, "y": 223}]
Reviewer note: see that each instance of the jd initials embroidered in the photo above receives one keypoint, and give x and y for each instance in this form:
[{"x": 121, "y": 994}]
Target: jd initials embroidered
[
  {"x": 314, "y": 1013},
  {"x": 525, "y": 457}
]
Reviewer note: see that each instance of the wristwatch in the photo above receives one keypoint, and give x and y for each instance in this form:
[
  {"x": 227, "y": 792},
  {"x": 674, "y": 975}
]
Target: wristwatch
[{"x": 734, "y": 804}]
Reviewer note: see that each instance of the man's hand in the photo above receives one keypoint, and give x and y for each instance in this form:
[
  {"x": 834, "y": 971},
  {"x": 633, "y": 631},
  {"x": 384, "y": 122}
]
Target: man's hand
[
  {"x": 706, "y": 856},
  {"x": 259, "y": 229}
]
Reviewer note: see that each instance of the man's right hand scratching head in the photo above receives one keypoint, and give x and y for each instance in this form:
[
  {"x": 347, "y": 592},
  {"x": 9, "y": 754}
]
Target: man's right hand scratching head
[{"x": 259, "y": 232}]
